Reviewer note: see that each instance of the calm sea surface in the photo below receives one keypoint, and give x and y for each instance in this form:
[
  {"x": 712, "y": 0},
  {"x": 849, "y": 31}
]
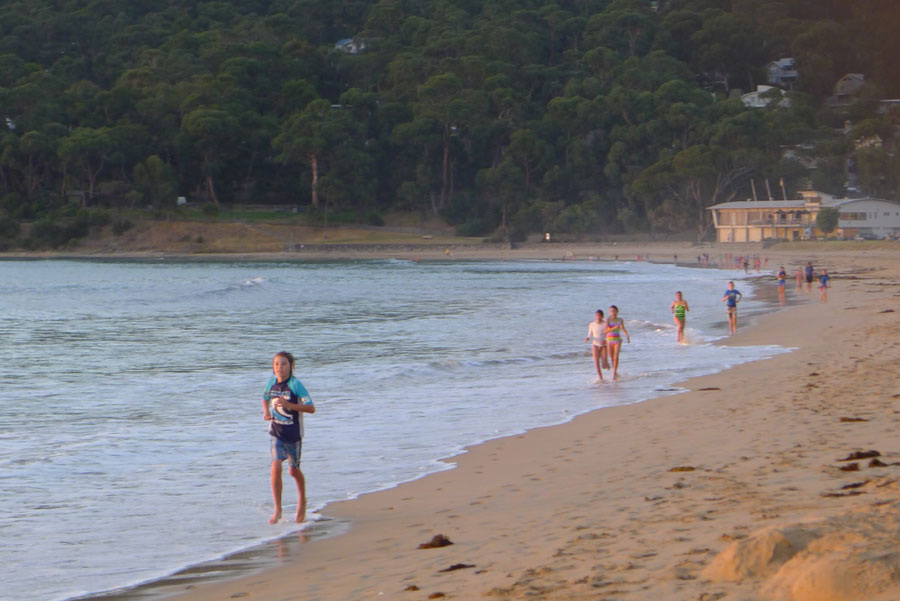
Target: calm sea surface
[{"x": 131, "y": 438}]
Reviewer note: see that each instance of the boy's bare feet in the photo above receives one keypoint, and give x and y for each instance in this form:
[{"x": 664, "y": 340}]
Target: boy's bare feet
[
  {"x": 301, "y": 512},
  {"x": 275, "y": 517}
]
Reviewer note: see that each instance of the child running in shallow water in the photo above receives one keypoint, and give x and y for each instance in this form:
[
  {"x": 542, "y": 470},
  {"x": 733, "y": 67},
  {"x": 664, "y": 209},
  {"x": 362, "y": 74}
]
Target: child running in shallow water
[
  {"x": 615, "y": 327},
  {"x": 782, "y": 281},
  {"x": 285, "y": 400},
  {"x": 679, "y": 308},
  {"x": 731, "y": 299},
  {"x": 824, "y": 280},
  {"x": 597, "y": 335}
]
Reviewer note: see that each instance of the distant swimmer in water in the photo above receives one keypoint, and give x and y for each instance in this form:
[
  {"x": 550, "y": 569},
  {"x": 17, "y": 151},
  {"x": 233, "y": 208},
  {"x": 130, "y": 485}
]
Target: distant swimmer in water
[
  {"x": 615, "y": 327},
  {"x": 679, "y": 308},
  {"x": 731, "y": 299},
  {"x": 782, "y": 281},
  {"x": 597, "y": 336},
  {"x": 285, "y": 400}
]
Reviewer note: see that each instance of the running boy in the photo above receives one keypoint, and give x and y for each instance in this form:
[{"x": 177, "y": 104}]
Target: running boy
[
  {"x": 597, "y": 335},
  {"x": 285, "y": 400},
  {"x": 731, "y": 299}
]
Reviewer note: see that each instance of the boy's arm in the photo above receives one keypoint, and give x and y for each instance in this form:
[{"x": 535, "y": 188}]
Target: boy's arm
[
  {"x": 304, "y": 404},
  {"x": 267, "y": 415}
]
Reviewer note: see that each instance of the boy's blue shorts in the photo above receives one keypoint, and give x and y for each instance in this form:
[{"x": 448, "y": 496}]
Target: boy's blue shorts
[{"x": 286, "y": 450}]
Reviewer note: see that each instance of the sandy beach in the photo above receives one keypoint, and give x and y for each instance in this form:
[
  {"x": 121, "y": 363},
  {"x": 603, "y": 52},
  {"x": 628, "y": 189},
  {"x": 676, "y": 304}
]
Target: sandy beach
[{"x": 774, "y": 480}]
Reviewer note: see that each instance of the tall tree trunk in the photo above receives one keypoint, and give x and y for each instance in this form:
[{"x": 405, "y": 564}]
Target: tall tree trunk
[
  {"x": 211, "y": 188},
  {"x": 314, "y": 166},
  {"x": 445, "y": 167},
  {"x": 65, "y": 175}
]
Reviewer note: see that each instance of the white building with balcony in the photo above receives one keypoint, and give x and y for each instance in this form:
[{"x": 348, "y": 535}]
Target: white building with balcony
[{"x": 758, "y": 220}]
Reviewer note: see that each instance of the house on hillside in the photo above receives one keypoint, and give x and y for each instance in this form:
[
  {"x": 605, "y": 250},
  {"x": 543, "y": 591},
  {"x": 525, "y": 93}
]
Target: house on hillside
[
  {"x": 758, "y": 220},
  {"x": 765, "y": 96},
  {"x": 350, "y": 46},
  {"x": 847, "y": 89},
  {"x": 887, "y": 105},
  {"x": 782, "y": 73}
]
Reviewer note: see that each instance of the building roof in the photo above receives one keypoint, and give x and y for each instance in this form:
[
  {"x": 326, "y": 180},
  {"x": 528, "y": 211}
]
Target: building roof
[
  {"x": 761, "y": 204},
  {"x": 790, "y": 204}
]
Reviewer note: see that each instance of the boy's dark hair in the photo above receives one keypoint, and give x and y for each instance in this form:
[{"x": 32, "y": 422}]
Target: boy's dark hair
[
  {"x": 600, "y": 311},
  {"x": 287, "y": 356}
]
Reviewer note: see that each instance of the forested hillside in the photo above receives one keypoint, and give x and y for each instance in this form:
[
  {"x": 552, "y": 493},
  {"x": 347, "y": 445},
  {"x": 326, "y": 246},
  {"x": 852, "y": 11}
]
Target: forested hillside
[{"x": 571, "y": 116}]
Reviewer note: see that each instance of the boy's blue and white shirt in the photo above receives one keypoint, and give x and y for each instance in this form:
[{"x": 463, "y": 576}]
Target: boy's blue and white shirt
[{"x": 286, "y": 425}]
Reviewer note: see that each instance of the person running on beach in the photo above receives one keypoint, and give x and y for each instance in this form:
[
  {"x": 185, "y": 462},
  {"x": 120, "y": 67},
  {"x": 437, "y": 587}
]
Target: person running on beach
[
  {"x": 810, "y": 272},
  {"x": 731, "y": 299},
  {"x": 597, "y": 335},
  {"x": 285, "y": 400},
  {"x": 823, "y": 285},
  {"x": 615, "y": 327},
  {"x": 782, "y": 281},
  {"x": 679, "y": 307}
]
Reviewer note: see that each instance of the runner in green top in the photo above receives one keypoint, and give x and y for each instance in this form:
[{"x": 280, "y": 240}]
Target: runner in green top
[{"x": 679, "y": 308}]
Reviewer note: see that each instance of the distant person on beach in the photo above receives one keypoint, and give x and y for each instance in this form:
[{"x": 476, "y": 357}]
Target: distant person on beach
[
  {"x": 731, "y": 299},
  {"x": 285, "y": 400},
  {"x": 799, "y": 279},
  {"x": 679, "y": 307},
  {"x": 823, "y": 285},
  {"x": 810, "y": 273},
  {"x": 615, "y": 327},
  {"x": 597, "y": 336},
  {"x": 782, "y": 282}
]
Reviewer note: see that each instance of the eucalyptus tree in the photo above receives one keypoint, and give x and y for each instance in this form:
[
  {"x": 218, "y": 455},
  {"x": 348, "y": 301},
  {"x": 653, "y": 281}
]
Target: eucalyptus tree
[
  {"x": 84, "y": 153},
  {"x": 212, "y": 134}
]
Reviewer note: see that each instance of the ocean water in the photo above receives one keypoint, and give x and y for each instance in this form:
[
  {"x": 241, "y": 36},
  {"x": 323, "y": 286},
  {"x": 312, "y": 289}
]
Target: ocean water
[{"x": 132, "y": 443}]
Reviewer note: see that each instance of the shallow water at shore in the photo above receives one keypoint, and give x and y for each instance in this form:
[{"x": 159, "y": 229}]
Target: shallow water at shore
[{"x": 146, "y": 377}]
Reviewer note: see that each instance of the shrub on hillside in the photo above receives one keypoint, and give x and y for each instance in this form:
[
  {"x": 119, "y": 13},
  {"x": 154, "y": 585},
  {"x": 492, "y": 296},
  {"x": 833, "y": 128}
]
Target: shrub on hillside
[{"x": 57, "y": 230}]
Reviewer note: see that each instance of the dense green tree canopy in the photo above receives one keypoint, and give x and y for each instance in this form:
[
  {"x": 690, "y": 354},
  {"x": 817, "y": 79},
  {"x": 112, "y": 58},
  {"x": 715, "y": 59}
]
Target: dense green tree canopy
[{"x": 581, "y": 116}]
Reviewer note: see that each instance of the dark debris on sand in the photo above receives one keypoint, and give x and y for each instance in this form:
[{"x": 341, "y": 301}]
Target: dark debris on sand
[
  {"x": 439, "y": 540},
  {"x": 860, "y": 455},
  {"x": 458, "y": 566}
]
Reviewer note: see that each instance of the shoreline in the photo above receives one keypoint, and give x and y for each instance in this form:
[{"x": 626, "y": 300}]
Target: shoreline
[
  {"x": 396, "y": 520},
  {"x": 654, "y": 251},
  {"x": 263, "y": 555}
]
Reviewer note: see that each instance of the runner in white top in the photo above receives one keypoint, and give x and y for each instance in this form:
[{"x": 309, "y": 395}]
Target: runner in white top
[{"x": 597, "y": 336}]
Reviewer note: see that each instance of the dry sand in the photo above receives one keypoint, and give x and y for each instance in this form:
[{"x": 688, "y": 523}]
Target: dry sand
[{"x": 739, "y": 489}]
